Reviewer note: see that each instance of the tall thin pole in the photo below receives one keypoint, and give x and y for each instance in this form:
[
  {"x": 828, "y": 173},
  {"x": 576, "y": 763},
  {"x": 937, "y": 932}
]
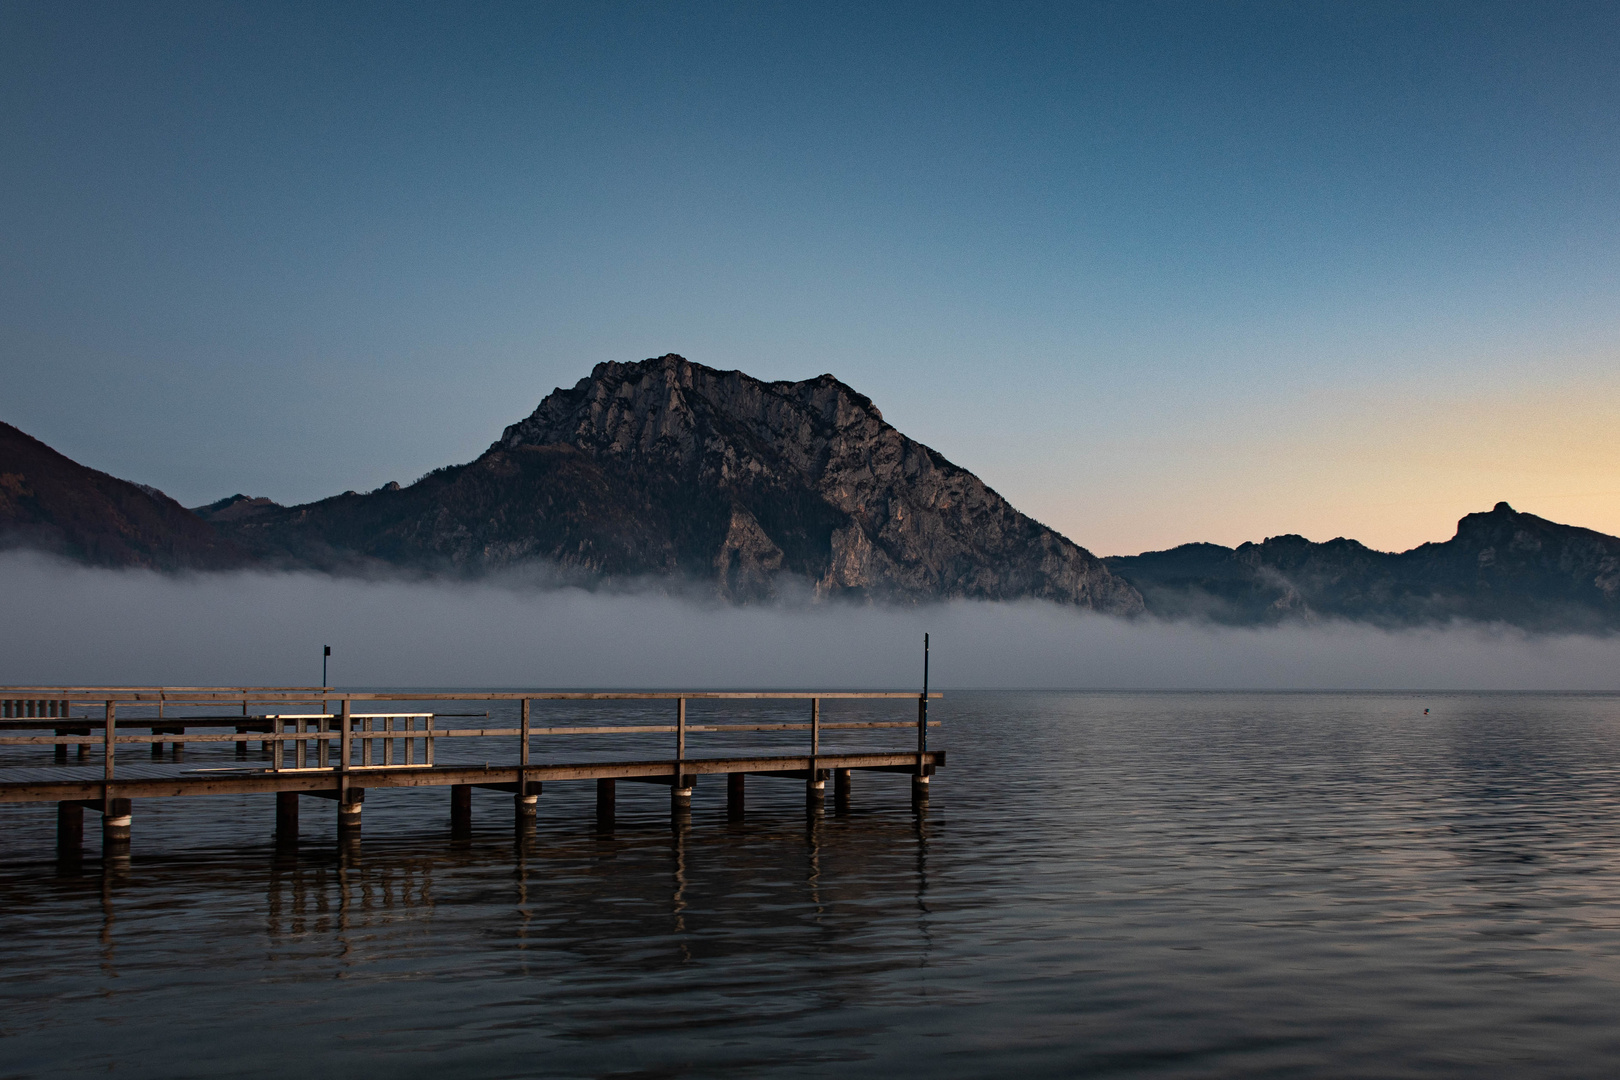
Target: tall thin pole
[
  {"x": 111, "y": 741},
  {"x": 922, "y": 712},
  {"x": 324, "y": 654}
]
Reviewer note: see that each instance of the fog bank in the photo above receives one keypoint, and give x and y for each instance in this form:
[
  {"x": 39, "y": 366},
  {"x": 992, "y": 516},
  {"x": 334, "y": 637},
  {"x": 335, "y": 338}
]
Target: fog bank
[{"x": 72, "y": 625}]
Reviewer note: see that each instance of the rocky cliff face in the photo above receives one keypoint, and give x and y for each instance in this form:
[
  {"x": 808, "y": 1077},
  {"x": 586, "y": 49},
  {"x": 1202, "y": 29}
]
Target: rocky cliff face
[
  {"x": 1501, "y": 566},
  {"x": 669, "y": 467}
]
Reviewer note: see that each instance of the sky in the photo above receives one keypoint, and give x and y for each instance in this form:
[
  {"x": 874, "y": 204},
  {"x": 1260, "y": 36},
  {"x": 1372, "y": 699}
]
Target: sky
[{"x": 1157, "y": 272}]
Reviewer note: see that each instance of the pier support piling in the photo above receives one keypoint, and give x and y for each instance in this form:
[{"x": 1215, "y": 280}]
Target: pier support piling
[
  {"x": 919, "y": 789},
  {"x": 680, "y": 793},
  {"x": 815, "y": 790},
  {"x": 116, "y": 816},
  {"x": 605, "y": 799},
  {"x": 734, "y": 794},
  {"x": 350, "y": 804},
  {"x": 286, "y": 815},
  {"x": 841, "y": 785},
  {"x": 69, "y": 827},
  {"x": 460, "y": 809},
  {"x": 526, "y": 804}
]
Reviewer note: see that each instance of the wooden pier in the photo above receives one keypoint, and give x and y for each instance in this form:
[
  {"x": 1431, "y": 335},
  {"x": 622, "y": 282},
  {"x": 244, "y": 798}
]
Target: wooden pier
[{"x": 320, "y": 743}]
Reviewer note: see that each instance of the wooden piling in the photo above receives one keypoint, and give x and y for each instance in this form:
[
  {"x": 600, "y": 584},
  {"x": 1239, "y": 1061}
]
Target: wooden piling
[
  {"x": 734, "y": 794},
  {"x": 841, "y": 786},
  {"x": 115, "y": 824},
  {"x": 527, "y": 806},
  {"x": 286, "y": 815},
  {"x": 460, "y": 809},
  {"x": 352, "y": 802},
  {"x": 605, "y": 799},
  {"x": 69, "y": 826}
]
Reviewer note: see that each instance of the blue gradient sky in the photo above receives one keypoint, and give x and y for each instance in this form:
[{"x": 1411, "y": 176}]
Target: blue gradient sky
[{"x": 1157, "y": 272}]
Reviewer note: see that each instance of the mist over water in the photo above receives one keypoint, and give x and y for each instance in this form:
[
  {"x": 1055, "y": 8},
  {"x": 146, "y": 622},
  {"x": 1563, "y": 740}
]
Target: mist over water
[{"x": 72, "y": 625}]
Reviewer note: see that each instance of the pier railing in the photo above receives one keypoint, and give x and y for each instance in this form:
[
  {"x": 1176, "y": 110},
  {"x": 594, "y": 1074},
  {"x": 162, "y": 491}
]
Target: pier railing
[
  {"x": 344, "y": 740},
  {"x": 321, "y": 744}
]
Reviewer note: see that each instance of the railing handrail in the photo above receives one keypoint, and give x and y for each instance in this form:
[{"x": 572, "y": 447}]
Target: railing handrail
[
  {"x": 352, "y": 727},
  {"x": 123, "y": 695}
]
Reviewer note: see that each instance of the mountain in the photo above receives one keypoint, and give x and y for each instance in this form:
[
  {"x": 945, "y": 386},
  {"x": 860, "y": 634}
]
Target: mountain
[
  {"x": 51, "y": 503},
  {"x": 672, "y": 469},
  {"x": 1501, "y": 566}
]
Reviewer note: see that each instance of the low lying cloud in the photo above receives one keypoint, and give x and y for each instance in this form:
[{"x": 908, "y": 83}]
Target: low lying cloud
[{"x": 72, "y": 625}]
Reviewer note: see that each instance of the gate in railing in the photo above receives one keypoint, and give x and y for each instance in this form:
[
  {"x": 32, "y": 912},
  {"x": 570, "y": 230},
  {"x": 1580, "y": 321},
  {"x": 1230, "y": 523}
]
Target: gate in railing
[{"x": 396, "y": 732}]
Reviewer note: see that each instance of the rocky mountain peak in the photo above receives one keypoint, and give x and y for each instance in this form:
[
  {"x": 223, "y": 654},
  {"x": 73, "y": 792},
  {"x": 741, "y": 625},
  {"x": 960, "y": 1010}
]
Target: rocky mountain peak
[
  {"x": 806, "y": 478},
  {"x": 671, "y": 410}
]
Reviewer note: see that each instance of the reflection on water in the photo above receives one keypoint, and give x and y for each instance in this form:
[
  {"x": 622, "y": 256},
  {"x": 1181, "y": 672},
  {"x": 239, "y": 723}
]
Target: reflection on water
[{"x": 1133, "y": 884}]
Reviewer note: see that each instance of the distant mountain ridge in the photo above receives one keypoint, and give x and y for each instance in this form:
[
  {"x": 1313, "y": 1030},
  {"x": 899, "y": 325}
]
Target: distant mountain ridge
[
  {"x": 49, "y": 502},
  {"x": 667, "y": 469},
  {"x": 670, "y": 468},
  {"x": 1501, "y": 566}
]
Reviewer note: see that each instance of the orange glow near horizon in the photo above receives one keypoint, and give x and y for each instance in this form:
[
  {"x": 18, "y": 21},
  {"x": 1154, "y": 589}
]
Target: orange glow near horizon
[{"x": 1392, "y": 472}]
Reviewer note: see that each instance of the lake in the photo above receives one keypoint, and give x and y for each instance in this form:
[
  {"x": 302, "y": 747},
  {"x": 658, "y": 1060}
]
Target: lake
[{"x": 1103, "y": 884}]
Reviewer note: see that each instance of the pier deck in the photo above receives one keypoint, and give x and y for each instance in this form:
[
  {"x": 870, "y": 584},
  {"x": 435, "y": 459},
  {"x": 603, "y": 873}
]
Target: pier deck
[{"x": 319, "y": 744}]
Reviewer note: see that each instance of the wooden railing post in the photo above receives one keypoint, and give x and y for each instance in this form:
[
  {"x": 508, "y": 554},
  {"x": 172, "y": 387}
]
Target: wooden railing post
[
  {"x": 816, "y": 787},
  {"x": 115, "y": 812},
  {"x": 110, "y": 739},
  {"x": 527, "y": 803},
  {"x": 345, "y": 742},
  {"x": 680, "y": 790},
  {"x": 350, "y": 800}
]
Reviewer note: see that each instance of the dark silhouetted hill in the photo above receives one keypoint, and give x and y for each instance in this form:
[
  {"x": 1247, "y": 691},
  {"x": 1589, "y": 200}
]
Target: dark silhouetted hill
[
  {"x": 51, "y": 503},
  {"x": 1501, "y": 566}
]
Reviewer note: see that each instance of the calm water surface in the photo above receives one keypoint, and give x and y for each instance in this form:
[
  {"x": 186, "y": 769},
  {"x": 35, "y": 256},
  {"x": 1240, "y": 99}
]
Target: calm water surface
[{"x": 1178, "y": 885}]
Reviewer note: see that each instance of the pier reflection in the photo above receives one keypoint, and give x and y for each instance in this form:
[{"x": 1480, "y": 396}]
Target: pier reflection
[{"x": 632, "y": 900}]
